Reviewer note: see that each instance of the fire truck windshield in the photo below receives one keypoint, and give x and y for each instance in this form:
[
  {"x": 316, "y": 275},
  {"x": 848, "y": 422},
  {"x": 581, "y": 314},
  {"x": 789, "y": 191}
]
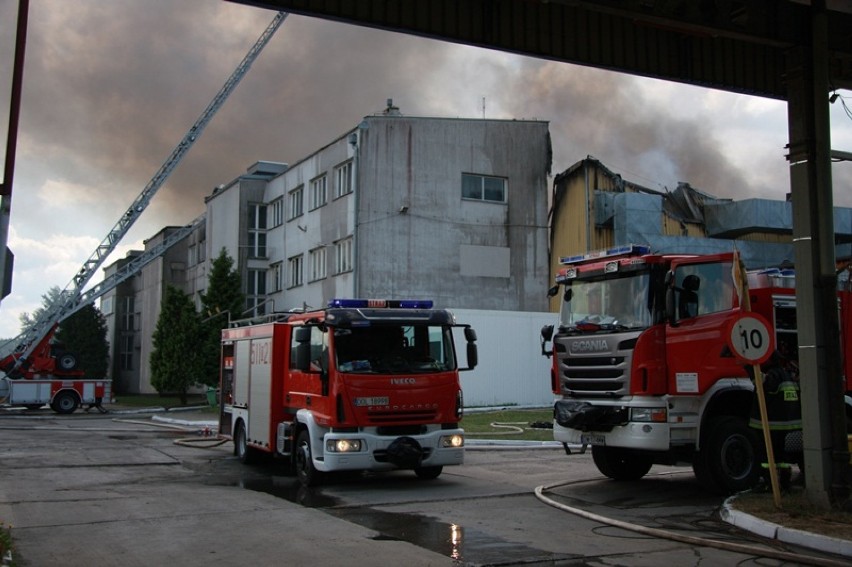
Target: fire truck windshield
[
  {"x": 394, "y": 349},
  {"x": 613, "y": 302}
]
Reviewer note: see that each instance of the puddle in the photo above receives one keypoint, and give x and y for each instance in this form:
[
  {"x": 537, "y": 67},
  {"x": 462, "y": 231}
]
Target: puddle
[{"x": 466, "y": 546}]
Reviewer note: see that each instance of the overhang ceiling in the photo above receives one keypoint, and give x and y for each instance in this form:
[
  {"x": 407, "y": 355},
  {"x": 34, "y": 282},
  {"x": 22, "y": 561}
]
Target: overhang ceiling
[{"x": 734, "y": 45}]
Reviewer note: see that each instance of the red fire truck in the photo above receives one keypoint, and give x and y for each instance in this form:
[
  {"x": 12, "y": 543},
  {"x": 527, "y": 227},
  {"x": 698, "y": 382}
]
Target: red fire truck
[
  {"x": 361, "y": 385},
  {"x": 645, "y": 366},
  {"x": 49, "y": 375}
]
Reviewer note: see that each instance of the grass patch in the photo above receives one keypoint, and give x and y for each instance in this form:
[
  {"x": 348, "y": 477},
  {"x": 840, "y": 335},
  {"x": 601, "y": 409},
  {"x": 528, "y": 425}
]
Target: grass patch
[
  {"x": 796, "y": 512},
  {"x": 515, "y": 425},
  {"x": 6, "y": 547}
]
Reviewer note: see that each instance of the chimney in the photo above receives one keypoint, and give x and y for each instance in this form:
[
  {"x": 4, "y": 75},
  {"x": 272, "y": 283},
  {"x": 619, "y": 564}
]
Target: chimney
[{"x": 392, "y": 110}]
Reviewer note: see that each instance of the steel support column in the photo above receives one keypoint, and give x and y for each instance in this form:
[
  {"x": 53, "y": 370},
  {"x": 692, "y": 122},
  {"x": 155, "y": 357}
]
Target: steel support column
[{"x": 826, "y": 453}]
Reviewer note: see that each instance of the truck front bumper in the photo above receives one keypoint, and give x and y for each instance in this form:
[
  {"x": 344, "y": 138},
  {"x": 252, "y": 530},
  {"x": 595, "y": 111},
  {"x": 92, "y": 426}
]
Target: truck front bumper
[
  {"x": 382, "y": 453},
  {"x": 583, "y": 423}
]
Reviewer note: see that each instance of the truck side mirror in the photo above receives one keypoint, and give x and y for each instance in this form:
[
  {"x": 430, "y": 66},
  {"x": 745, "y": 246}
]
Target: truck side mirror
[
  {"x": 472, "y": 356},
  {"x": 546, "y": 336},
  {"x": 670, "y": 299},
  {"x": 302, "y": 334},
  {"x": 553, "y": 291},
  {"x": 472, "y": 352}
]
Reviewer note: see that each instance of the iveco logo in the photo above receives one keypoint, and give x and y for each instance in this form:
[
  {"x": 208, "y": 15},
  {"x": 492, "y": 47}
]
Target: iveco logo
[
  {"x": 400, "y": 381},
  {"x": 592, "y": 345}
]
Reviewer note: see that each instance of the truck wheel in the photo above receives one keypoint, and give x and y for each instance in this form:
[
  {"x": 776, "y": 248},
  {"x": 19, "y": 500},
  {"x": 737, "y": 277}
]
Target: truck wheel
[
  {"x": 618, "y": 463},
  {"x": 307, "y": 474},
  {"x": 728, "y": 459},
  {"x": 246, "y": 455},
  {"x": 64, "y": 402},
  {"x": 428, "y": 473},
  {"x": 67, "y": 361}
]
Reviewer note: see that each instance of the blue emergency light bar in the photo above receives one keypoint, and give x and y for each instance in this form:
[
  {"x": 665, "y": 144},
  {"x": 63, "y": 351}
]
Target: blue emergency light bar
[
  {"x": 381, "y": 303},
  {"x": 633, "y": 249}
]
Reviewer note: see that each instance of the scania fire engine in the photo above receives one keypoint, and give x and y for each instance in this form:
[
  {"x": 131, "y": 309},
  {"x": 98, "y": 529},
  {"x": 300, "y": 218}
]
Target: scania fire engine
[
  {"x": 362, "y": 385},
  {"x": 645, "y": 367}
]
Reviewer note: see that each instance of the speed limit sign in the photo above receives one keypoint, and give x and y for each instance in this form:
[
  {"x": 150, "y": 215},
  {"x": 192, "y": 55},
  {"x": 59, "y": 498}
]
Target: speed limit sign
[{"x": 750, "y": 338}]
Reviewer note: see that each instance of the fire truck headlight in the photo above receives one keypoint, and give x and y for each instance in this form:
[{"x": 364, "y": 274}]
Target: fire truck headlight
[
  {"x": 343, "y": 445},
  {"x": 452, "y": 441},
  {"x": 656, "y": 415}
]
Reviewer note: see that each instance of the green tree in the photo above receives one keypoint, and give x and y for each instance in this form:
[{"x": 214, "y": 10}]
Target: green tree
[
  {"x": 85, "y": 335},
  {"x": 223, "y": 302},
  {"x": 47, "y": 300},
  {"x": 176, "y": 359}
]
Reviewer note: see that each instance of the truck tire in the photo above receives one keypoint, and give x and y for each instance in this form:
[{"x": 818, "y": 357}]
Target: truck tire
[
  {"x": 428, "y": 473},
  {"x": 64, "y": 402},
  {"x": 619, "y": 463},
  {"x": 67, "y": 361},
  {"x": 246, "y": 455},
  {"x": 728, "y": 461},
  {"x": 307, "y": 474}
]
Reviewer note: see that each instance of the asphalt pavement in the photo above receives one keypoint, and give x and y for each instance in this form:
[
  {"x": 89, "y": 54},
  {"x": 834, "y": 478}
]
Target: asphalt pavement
[{"x": 91, "y": 504}]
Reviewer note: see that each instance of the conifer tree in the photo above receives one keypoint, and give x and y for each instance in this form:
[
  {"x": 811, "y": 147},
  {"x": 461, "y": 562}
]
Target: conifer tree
[
  {"x": 223, "y": 302},
  {"x": 84, "y": 334},
  {"x": 176, "y": 359}
]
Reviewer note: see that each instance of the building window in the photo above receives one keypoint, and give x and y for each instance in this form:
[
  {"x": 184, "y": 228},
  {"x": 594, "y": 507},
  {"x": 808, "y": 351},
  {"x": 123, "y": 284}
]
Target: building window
[
  {"x": 319, "y": 192},
  {"x": 106, "y": 305},
  {"x": 318, "y": 264},
  {"x": 297, "y": 199},
  {"x": 256, "y": 217},
  {"x": 125, "y": 353},
  {"x": 257, "y": 244},
  {"x": 343, "y": 256},
  {"x": 256, "y": 231},
  {"x": 343, "y": 180},
  {"x": 127, "y": 314},
  {"x": 256, "y": 292},
  {"x": 277, "y": 276},
  {"x": 483, "y": 188},
  {"x": 277, "y": 212},
  {"x": 296, "y": 267}
]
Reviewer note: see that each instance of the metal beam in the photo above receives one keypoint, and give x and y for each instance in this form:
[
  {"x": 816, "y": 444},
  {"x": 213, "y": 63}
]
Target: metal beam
[{"x": 734, "y": 46}]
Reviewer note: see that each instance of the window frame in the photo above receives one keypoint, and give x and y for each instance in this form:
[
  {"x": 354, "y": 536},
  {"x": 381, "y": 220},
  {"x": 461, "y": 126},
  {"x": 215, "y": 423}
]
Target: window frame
[
  {"x": 295, "y": 271},
  {"x": 318, "y": 192},
  {"x": 296, "y": 196},
  {"x": 483, "y": 189}
]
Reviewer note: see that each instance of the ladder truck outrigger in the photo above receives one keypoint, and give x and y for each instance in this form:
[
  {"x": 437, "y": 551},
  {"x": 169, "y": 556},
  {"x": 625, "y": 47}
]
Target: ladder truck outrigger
[
  {"x": 646, "y": 367},
  {"x": 362, "y": 385},
  {"x": 36, "y": 371}
]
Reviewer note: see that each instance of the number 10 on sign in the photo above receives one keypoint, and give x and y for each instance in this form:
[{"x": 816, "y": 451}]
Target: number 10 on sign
[{"x": 750, "y": 338}]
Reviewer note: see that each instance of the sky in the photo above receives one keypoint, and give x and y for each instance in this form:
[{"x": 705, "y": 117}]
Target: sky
[{"x": 110, "y": 88}]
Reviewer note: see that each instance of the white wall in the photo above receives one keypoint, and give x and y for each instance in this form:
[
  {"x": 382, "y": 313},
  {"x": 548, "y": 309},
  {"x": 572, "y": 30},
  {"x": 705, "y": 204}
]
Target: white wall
[{"x": 511, "y": 369}]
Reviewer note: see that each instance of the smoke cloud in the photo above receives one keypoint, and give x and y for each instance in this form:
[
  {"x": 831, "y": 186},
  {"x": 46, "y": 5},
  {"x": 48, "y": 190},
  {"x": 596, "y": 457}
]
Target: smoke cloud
[{"x": 111, "y": 88}]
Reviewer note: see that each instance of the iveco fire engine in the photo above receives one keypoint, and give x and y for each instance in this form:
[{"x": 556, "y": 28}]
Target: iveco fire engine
[
  {"x": 645, "y": 366},
  {"x": 363, "y": 385}
]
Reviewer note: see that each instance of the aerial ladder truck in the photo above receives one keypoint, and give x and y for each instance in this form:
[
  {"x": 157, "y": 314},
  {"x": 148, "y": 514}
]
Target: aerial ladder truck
[{"x": 36, "y": 372}]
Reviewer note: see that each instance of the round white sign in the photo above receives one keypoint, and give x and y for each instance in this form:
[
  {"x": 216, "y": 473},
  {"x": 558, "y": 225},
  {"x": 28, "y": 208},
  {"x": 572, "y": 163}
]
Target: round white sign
[{"x": 750, "y": 338}]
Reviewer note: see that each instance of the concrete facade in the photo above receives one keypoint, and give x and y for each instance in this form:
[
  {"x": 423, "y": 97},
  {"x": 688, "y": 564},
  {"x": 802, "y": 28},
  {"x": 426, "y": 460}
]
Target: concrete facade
[
  {"x": 380, "y": 212},
  {"x": 453, "y": 210}
]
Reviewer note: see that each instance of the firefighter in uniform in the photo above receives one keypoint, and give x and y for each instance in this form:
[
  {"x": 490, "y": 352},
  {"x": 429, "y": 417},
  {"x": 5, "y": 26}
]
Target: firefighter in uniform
[{"x": 784, "y": 414}]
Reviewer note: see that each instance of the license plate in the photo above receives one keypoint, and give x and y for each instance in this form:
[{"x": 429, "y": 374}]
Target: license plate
[
  {"x": 592, "y": 439},
  {"x": 363, "y": 402}
]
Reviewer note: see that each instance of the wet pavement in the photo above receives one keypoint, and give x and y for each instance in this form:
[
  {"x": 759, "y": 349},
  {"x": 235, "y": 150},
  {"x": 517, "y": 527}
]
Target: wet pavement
[{"x": 121, "y": 490}]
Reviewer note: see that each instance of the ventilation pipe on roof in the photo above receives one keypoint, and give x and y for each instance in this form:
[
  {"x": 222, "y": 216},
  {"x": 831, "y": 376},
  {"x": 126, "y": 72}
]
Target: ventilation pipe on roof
[{"x": 392, "y": 110}]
